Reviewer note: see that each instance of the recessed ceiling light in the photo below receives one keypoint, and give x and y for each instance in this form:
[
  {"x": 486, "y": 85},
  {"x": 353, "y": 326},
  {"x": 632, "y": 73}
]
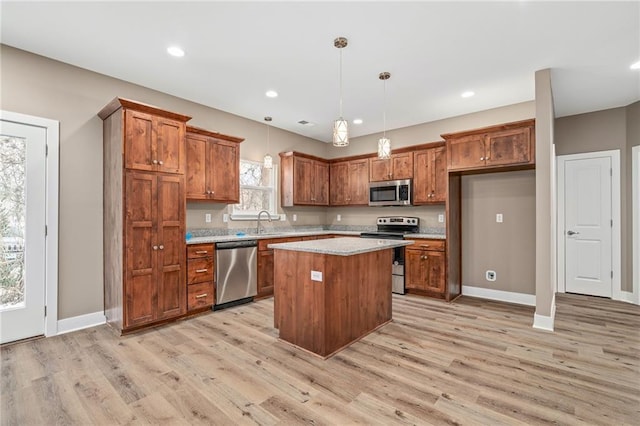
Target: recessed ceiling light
[
  {"x": 357, "y": 121},
  {"x": 271, "y": 94},
  {"x": 467, "y": 94},
  {"x": 175, "y": 51},
  {"x": 635, "y": 66}
]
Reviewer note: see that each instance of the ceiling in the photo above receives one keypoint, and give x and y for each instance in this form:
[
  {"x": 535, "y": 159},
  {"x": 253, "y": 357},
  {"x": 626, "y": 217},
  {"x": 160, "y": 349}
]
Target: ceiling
[{"x": 236, "y": 51}]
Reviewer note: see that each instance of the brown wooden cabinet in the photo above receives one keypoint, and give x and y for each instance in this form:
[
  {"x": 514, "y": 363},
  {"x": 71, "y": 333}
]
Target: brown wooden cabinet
[
  {"x": 425, "y": 268},
  {"x": 430, "y": 175},
  {"x": 200, "y": 276},
  {"x": 399, "y": 166},
  {"x": 213, "y": 166},
  {"x": 510, "y": 146},
  {"x": 144, "y": 215},
  {"x": 304, "y": 180},
  {"x": 349, "y": 183}
]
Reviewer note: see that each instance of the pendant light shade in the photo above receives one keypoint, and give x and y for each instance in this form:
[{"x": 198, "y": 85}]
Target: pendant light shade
[
  {"x": 267, "y": 162},
  {"x": 384, "y": 143},
  {"x": 340, "y": 126}
]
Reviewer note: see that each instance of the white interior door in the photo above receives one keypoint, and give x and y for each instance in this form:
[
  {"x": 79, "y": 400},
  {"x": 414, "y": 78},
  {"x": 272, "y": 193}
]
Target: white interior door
[
  {"x": 22, "y": 230},
  {"x": 588, "y": 225}
]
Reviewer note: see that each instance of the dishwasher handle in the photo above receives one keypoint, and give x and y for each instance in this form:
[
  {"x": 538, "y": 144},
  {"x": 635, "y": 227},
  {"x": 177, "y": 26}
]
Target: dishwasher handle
[{"x": 229, "y": 245}]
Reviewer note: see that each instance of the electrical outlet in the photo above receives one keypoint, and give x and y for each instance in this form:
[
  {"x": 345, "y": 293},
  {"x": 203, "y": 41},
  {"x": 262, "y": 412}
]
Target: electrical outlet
[
  {"x": 491, "y": 275},
  {"x": 499, "y": 217},
  {"x": 441, "y": 218},
  {"x": 295, "y": 217},
  {"x": 339, "y": 218},
  {"x": 283, "y": 217},
  {"x": 207, "y": 217},
  {"x": 225, "y": 218},
  {"x": 316, "y": 276}
]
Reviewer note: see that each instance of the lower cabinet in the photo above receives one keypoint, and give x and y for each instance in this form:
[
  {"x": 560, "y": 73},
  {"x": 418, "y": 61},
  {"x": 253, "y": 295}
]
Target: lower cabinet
[
  {"x": 200, "y": 276},
  {"x": 425, "y": 268}
]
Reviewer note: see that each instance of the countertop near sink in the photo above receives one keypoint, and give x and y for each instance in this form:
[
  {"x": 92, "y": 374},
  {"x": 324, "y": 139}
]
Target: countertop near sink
[{"x": 223, "y": 238}]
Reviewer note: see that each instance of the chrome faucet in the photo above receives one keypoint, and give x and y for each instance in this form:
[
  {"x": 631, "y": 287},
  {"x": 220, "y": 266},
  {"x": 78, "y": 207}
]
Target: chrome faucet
[{"x": 259, "y": 214}]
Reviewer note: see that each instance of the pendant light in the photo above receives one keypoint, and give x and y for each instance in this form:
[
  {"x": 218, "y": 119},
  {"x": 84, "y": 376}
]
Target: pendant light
[
  {"x": 267, "y": 163},
  {"x": 384, "y": 144},
  {"x": 340, "y": 129}
]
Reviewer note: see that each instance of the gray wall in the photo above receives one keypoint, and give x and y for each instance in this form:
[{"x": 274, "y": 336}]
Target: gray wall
[
  {"x": 508, "y": 247},
  {"x": 602, "y": 131},
  {"x": 38, "y": 86}
]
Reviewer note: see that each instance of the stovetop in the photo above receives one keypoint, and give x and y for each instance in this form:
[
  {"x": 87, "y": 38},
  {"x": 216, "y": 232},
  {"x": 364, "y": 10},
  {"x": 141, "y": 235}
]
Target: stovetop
[{"x": 394, "y": 227}]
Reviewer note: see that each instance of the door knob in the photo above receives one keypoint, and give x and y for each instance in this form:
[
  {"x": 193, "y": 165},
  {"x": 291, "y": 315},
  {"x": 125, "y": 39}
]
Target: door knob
[{"x": 572, "y": 233}]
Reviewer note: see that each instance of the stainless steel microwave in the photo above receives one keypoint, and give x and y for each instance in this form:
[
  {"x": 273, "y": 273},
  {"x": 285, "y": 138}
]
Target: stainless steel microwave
[{"x": 390, "y": 193}]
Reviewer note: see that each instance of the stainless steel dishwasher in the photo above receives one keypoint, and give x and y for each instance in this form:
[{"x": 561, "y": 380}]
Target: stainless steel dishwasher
[{"x": 236, "y": 272}]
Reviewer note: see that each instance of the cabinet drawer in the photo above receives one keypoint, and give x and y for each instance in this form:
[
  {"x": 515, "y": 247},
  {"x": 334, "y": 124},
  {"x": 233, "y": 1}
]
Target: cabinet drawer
[
  {"x": 199, "y": 270},
  {"x": 432, "y": 245},
  {"x": 196, "y": 251},
  {"x": 200, "y": 295}
]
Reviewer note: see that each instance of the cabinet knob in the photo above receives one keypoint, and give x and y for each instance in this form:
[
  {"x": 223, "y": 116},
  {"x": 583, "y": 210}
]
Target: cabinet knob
[
  {"x": 161, "y": 247},
  {"x": 155, "y": 247},
  {"x": 155, "y": 161},
  {"x": 481, "y": 158},
  {"x": 161, "y": 162}
]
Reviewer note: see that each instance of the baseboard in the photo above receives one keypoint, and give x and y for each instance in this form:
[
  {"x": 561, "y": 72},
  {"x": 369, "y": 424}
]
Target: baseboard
[
  {"x": 542, "y": 322},
  {"x": 627, "y": 296},
  {"x": 68, "y": 325},
  {"x": 502, "y": 296}
]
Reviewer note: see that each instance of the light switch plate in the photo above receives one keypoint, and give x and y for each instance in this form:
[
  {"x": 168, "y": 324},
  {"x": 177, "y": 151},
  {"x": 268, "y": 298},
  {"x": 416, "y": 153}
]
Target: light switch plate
[
  {"x": 441, "y": 218},
  {"x": 295, "y": 217},
  {"x": 499, "y": 217},
  {"x": 316, "y": 276},
  {"x": 207, "y": 217},
  {"x": 225, "y": 217},
  {"x": 339, "y": 218},
  {"x": 283, "y": 217}
]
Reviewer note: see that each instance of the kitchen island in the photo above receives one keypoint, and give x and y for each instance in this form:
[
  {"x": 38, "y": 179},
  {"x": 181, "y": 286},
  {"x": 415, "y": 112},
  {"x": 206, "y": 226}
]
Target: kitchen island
[{"x": 330, "y": 293}]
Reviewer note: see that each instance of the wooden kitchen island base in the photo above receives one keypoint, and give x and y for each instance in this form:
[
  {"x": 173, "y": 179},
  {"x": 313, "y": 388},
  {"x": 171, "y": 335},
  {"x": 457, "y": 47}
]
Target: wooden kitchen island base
[{"x": 352, "y": 298}]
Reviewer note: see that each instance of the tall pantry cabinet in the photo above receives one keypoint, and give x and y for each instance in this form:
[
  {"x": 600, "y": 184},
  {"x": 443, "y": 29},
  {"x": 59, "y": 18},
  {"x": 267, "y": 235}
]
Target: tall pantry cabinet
[{"x": 144, "y": 214}]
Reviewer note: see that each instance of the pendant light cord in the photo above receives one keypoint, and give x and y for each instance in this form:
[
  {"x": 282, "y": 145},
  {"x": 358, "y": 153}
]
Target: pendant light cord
[
  {"x": 384, "y": 110},
  {"x": 341, "y": 84}
]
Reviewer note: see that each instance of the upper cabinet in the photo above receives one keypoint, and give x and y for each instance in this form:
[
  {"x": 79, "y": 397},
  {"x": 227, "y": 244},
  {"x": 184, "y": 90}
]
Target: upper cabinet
[
  {"x": 430, "y": 175},
  {"x": 153, "y": 138},
  {"x": 399, "y": 166},
  {"x": 213, "y": 166},
  {"x": 349, "y": 183},
  {"x": 507, "y": 146},
  {"x": 304, "y": 180}
]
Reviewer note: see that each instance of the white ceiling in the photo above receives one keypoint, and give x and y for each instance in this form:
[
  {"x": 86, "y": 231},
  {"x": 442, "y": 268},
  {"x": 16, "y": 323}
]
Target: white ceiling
[{"x": 235, "y": 51}]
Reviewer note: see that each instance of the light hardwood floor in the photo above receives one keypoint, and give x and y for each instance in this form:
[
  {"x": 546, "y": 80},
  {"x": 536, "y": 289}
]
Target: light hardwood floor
[{"x": 468, "y": 362}]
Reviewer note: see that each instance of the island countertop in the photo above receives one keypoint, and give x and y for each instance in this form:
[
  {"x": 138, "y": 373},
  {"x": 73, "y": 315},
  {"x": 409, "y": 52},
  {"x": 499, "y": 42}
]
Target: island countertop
[{"x": 346, "y": 246}]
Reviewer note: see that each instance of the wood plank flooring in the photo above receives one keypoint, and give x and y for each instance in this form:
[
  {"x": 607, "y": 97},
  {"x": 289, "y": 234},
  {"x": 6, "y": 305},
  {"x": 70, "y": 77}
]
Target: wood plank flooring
[{"x": 469, "y": 362}]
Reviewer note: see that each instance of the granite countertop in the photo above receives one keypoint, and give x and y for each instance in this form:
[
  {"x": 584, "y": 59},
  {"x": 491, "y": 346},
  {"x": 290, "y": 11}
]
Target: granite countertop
[
  {"x": 341, "y": 246},
  {"x": 429, "y": 236},
  {"x": 284, "y": 234}
]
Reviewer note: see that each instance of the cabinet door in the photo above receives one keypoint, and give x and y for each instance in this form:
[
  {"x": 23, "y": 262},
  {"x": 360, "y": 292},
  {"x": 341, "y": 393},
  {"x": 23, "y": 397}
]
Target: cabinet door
[
  {"x": 435, "y": 271},
  {"x": 320, "y": 183},
  {"x": 302, "y": 180},
  {"x": 466, "y": 152},
  {"x": 171, "y": 246},
  {"x": 358, "y": 189},
  {"x": 379, "y": 170},
  {"x": 224, "y": 171},
  {"x": 402, "y": 166},
  {"x": 509, "y": 147},
  {"x": 422, "y": 177},
  {"x": 339, "y": 183},
  {"x": 139, "y": 141},
  {"x": 438, "y": 164},
  {"x": 141, "y": 249},
  {"x": 196, "y": 181},
  {"x": 170, "y": 146},
  {"x": 415, "y": 270},
  {"x": 265, "y": 273}
]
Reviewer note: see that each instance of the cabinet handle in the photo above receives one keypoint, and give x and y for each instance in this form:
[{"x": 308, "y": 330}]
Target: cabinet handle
[
  {"x": 200, "y": 296},
  {"x": 201, "y": 252},
  {"x": 424, "y": 245},
  {"x": 161, "y": 247},
  {"x": 199, "y": 271},
  {"x": 155, "y": 247},
  {"x": 160, "y": 162},
  {"x": 155, "y": 161}
]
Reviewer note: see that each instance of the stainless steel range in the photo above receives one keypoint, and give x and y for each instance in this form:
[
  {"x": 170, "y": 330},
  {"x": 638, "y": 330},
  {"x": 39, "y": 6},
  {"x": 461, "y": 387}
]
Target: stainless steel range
[{"x": 395, "y": 228}]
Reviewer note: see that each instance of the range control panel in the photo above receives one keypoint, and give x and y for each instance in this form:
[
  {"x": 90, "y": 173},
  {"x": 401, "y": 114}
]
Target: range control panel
[{"x": 398, "y": 220}]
